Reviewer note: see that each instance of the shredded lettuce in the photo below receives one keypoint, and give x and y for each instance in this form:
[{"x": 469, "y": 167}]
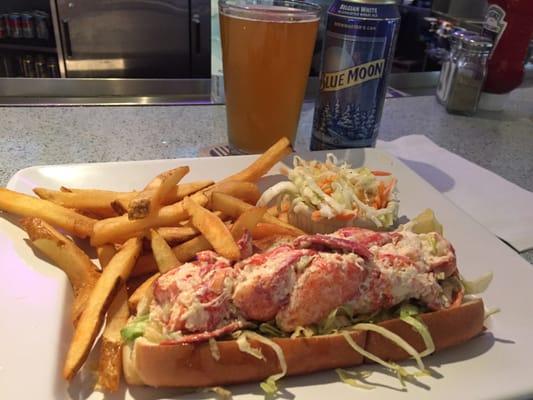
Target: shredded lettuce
[
  {"x": 401, "y": 372},
  {"x": 491, "y": 311},
  {"x": 369, "y": 355},
  {"x": 269, "y": 386},
  {"x": 336, "y": 319},
  {"x": 303, "y": 331},
  {"x": 408, "y": 309},
  {"x": 399, "y": 341},
  {"x": 423, "y": 331},
  {"x": 328, "y": 325},
  {"x": 478, "y": 285},
  {"x": 270, "y": 329},
  {"x": 153, "y": 333},
  {"x": 222, "y": 393},
  {"x": 246, "y": 347},
  {"x": 213, "y": 347},
  {"x": 134, "y": 328},
  {"x": 353, "y": 378}
]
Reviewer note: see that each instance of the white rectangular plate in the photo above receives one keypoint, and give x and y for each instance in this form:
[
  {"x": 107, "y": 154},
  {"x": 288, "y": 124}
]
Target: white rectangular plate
[{"x": 35, "y": 298}]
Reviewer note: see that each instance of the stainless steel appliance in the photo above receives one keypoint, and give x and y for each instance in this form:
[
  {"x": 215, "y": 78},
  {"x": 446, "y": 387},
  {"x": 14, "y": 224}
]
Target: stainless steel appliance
[{"x": 135, "y": 38}]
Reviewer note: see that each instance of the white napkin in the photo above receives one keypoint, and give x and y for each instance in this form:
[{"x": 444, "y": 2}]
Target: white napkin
[{"x": 503, "y": 207}]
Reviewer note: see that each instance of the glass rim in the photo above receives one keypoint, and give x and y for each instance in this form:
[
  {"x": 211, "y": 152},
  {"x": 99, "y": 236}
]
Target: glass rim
[{"x": 300, "y": 10}]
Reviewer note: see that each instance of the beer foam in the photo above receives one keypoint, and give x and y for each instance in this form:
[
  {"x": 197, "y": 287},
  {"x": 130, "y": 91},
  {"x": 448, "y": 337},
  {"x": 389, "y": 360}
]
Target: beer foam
[{"x": 274, "y": 14}]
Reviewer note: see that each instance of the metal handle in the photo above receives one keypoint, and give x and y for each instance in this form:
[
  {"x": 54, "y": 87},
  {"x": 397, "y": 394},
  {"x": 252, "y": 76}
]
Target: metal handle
[
  {"x": 66, "y": 38},
  {"x": 196, "y": 21}
]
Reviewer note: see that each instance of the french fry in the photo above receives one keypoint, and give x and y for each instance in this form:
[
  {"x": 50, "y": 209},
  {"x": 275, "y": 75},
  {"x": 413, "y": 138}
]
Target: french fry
[
  {"x": 120, "y": 206},
  {"x": 264, "y": 229},
  {"x": 150, "y": 199},
  {"x": 283, "y": 217},
  {"x": 95, "y": 213},
  {"x": 288, "y": 227},
  {"x": 214, "y": 230},
  {"x": 110, "y": 361},
  {"x": 27, "y": 206},
  {"x": 64, "y": 253},
  {"x": 163, "y": 254},
  {"x": 246, "y": 191},
  {"x": 146, "y": 265},
  {"x": 264, "y": 163},
  {"x": 165, "y": 260},
  {"x": 141, "y": 291},
  {"x": 273, "y": 211},
  {"x": 178, "y": 234},
  {"x": 101, "y": 201},
  {"x": 185, "y": 189},
  {"x": 168, "y": 182},
  {"x": 186, "y": 251},
  {"x": 95, "y": 201},
  {"x": 90, "y": 322},
  {"x": 105, "y": 253},
  {"x": 119, "y": 228},
  {"x": 179, "y": 193},
  {"x": 227, "y": 204},
  {"x": 247, "y": 221},
  {"x": 235, "y": 207}
]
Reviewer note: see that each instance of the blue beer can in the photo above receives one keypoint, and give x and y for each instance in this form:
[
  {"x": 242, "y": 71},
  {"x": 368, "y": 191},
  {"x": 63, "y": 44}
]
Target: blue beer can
[{"x": 357, "y": 57}]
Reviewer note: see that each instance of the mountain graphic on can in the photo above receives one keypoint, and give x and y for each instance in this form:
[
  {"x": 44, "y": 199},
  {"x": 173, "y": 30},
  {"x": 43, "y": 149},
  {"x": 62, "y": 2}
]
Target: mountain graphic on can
[{"x": 357, "y": 58}]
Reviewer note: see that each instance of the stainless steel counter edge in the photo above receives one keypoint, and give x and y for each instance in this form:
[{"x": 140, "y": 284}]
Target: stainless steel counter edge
[
  {"x": 78, "y": 91},
  {"x": 116, "y": 92}
]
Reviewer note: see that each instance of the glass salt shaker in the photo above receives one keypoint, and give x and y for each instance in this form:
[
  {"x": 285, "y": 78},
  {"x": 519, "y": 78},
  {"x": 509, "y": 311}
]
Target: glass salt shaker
[
  {"x": 468, "y": 76},
  {"x": 449, "y": 64}
]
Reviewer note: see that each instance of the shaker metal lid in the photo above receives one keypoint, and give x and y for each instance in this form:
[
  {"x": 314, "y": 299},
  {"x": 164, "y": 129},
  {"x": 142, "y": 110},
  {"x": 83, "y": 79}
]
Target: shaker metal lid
[{"x": 476, "y": 42}]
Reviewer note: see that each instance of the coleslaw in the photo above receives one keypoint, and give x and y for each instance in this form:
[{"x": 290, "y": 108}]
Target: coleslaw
[{"x": 333, "y": 190}]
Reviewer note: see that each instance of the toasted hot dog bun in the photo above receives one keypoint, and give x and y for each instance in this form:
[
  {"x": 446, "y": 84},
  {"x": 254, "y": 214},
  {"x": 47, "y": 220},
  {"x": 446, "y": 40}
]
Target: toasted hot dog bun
[{"x": 193, "y": 365}]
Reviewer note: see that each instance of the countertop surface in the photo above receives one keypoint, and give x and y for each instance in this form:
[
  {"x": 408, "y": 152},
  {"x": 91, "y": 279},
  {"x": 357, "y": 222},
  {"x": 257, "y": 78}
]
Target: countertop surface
[{"x": 499, "y": 141}]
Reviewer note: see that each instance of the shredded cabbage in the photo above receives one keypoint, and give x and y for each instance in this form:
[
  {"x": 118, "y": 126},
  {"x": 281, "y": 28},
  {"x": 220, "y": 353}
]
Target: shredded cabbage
[
  {"x": 269, "y": 386},
  {"x": 336, "y": 189},
  {"x": 423, "y": 330},
  {"x": 353, "y": 378},
  {"x": 478, "y": 285}
]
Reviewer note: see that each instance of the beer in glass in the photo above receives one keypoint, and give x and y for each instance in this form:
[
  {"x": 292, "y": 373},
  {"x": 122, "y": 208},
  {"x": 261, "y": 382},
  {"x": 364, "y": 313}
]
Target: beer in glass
[{"x": 267, "y": 47}]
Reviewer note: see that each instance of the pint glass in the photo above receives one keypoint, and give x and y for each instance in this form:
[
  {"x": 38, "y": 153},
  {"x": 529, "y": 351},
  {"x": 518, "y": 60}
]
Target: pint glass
[{"x": 267, "y": 47}]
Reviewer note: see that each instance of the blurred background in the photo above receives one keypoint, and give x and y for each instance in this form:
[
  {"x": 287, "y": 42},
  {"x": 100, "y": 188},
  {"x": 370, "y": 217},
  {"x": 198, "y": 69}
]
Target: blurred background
[{"x": 169, "y": 50}]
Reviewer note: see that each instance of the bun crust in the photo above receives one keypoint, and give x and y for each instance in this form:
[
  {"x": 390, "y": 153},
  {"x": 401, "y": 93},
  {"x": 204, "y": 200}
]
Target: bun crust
[{"x": 193, "y": 365}]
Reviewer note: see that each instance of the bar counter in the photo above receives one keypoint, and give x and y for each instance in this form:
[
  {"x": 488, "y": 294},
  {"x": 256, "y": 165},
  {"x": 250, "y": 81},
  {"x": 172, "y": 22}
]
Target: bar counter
[{"x": 498, "y": 141}]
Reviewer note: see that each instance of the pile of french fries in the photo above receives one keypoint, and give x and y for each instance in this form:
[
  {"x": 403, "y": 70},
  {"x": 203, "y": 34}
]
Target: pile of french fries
[{"x": 138, "y": 236}]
